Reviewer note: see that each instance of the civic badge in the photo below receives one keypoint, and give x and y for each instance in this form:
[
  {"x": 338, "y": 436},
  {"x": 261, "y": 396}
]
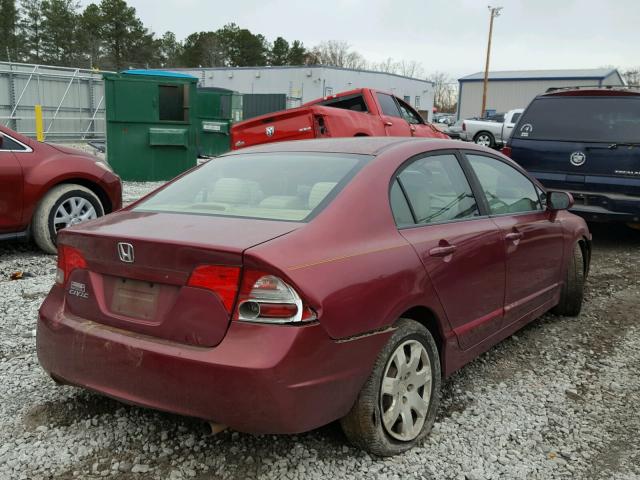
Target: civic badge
[
  {"x": 577, "y": 159},
  {"x": 125, "y": 252},
  {"x": 270, "y": 131}
]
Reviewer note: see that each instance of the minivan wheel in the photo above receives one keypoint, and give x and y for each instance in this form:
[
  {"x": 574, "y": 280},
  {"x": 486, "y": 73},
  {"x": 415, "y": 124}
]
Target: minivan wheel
[
  {"x": 63, "y": 206},
  {"x": 397, "y": 405},
  {"x": 573, "y": 289},
  {"x": 485, "y": 139}
]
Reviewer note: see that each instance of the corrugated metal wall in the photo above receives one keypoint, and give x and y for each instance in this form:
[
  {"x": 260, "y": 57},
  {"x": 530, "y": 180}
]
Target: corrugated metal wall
[
  {"x": 72, "y": 100},
  {"x": 506, "y": 95},
  {"x": 254, "y": 104}
]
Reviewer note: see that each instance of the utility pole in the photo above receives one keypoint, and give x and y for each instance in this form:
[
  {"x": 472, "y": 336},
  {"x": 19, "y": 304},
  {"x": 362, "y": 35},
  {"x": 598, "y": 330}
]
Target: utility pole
[{"x": 494, "y": 12}]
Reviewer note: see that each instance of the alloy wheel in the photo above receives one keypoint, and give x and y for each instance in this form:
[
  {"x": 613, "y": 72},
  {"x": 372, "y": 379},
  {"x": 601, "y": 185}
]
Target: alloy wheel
[
  {"x": 405, "y": 391},
  {"x": 483, "y": 140},
  {"x": 72, "y": 211}
]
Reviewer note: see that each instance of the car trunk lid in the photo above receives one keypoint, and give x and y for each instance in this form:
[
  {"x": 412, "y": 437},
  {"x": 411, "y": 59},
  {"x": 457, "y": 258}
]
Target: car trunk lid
[{"x": 138, "y": 266}]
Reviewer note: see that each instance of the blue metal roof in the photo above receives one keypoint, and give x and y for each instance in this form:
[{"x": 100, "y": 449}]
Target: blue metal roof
[
  {"x": 519, "y": 75},
  {"x": 157, "y": 73}
]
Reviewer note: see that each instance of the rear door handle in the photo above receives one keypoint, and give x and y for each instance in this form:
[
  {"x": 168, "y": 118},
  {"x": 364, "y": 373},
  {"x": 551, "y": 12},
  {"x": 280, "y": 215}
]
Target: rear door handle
[
  {"x": 388, "y": 124},
  {"x": 513, "y": 236},
  {"x": 442, "y": 251}
]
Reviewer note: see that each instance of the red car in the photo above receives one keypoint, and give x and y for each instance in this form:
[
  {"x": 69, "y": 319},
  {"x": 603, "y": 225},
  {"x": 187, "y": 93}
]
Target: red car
[
  {"x": 279, "y": 288},
  {"x": 45, "y": 188},
  {"x": 364, "y": 112}
]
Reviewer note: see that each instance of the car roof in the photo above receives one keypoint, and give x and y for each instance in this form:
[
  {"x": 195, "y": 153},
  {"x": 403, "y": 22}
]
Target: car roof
[
  {"x": 354, "y": 145},
  {"x": 592, "y": 92}
]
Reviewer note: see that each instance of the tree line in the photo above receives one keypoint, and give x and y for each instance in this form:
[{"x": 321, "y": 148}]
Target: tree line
[{"x": 109, "y": 36}]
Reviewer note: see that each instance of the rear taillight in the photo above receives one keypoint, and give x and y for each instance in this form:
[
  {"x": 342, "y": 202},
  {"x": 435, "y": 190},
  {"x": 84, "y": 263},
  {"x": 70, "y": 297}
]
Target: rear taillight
[
  {"x": 266, "y": 298},
  {"x": 506, "y": 150},
  {"x": 221, "y": 280},
  {"x": 320, "y": 126},
  {"x": 69, "y": 259}
]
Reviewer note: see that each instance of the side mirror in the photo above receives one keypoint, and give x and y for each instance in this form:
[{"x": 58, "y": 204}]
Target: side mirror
[{"x": 559, "y": 201}]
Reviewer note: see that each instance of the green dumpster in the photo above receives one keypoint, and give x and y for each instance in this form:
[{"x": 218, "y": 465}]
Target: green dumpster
[
  {"x": 151, "y": 125},
  {"x": 217, "y": 109}
]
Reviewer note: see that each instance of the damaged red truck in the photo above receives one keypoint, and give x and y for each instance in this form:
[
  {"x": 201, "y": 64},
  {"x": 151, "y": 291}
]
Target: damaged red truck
[{"x": 363, "y": 112}]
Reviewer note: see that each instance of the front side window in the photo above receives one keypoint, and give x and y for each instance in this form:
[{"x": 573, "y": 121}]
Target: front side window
[
  {"x": 388, "y": 105},
  {"x": 409, "y": 115},
  {"x": 437, "y": 190},
  {"x": 274, "y": 186},
  {"x": 507, "y": 190}
]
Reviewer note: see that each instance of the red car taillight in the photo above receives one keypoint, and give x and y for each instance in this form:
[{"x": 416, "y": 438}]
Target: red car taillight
[
  {"x": 266, "y": 298},
  {"x": 223, "y": 281},
  {"x": 506, "y": 150},
  {"x": 69, "y": 259}
]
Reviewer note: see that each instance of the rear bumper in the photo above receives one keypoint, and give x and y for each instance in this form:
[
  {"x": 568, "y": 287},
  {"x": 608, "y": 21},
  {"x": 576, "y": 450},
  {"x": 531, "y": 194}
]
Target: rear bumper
[
  {"x": 606, "y": 207},
  {"x": 259, "y": 379}
]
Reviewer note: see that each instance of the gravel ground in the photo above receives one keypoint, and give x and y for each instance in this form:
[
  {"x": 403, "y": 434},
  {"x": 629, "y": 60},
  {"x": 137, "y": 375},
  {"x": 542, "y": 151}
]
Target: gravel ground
[{"x": 558, "y": 400}]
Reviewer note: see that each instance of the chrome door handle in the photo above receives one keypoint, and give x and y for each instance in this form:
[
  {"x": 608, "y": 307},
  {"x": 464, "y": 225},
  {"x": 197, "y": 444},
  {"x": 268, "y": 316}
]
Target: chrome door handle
[
  {"x": 513, "y": 236},
  {"x": 442, "y": 251},
  {"x": 388, "y": 124}
]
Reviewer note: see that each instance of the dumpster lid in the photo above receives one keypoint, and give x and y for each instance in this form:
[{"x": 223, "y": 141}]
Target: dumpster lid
[{"x": 157, "y": 73}]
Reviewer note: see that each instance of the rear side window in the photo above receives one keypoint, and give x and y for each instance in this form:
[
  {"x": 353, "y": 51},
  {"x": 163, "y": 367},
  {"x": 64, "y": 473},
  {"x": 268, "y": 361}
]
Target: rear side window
[
  {"x": 437, "y": 190},
  {"x": 354, "y": 103},
  {"x": 275, "y": 186},
  {"x": 582, "y": 119},
  {"x": 506, "y": 189},
  {"x": 388, "y": 105}
]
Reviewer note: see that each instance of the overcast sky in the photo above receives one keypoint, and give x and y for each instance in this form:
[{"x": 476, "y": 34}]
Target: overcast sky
[{"x": 443, "y": 35}]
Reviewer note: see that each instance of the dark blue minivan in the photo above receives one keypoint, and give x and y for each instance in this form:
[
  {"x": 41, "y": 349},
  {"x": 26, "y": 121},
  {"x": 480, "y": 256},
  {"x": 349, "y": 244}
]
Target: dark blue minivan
[{"x": 585, "y": 141}]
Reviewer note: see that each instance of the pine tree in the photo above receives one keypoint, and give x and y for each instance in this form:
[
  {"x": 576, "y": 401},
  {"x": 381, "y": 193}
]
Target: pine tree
[
  {"x": 59, "y": 31},
  {"x": 279, "y": 53},
  {"x": 31, "y": 28},
  {"x": 126, "y": 41},
  {"x": 90, "y": 35},
  {"x": 297, "y": 54},
  {"x": 9, "y": 31}
]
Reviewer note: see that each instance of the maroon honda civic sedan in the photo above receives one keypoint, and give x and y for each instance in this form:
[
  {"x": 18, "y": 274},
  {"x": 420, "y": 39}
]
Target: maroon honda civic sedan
[{"x": 279, "y": 288}]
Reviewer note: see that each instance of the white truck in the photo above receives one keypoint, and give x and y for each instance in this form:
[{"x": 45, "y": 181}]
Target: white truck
[{"x": 493, "y": 131}]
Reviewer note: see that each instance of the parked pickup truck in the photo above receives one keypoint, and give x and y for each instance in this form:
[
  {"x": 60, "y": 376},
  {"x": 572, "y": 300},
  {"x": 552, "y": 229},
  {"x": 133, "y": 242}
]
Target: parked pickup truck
[
  {"x": 356, "y": 113},
  {"x": 493, "y": 131}
]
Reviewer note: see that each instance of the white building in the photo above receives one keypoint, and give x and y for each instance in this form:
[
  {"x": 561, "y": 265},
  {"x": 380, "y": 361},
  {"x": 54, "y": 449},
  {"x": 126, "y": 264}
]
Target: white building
[
  {"x": 306, "y": 83},
  {"x": 515, "y": 89}
]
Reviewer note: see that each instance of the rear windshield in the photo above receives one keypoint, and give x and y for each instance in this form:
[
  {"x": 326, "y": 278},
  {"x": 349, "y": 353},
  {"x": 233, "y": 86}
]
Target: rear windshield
[
  {"x": 275, "y": 186},
  {"x": 582, "y": 119}
]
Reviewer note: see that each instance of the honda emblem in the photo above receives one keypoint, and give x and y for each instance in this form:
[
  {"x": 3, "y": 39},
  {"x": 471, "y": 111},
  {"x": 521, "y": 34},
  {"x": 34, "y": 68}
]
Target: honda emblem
[{"x": 125, "y": 252}]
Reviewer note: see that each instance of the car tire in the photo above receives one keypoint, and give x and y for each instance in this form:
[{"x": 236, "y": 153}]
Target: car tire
[
  {"x": 365, "y": 426},
  {"x": 573, "y": 289},
  {"x": 46, "y": 223},
  {"x": 484, "y": 139}
]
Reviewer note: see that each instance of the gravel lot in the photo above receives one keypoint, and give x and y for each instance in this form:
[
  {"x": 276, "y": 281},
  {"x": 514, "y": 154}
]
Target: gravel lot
[{"x": 558, "y": 400}]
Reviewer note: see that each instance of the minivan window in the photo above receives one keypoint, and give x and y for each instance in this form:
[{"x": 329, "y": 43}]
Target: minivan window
[
  {"x": 582, "y": 119},
  {"x": 274, "y": 186}
]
